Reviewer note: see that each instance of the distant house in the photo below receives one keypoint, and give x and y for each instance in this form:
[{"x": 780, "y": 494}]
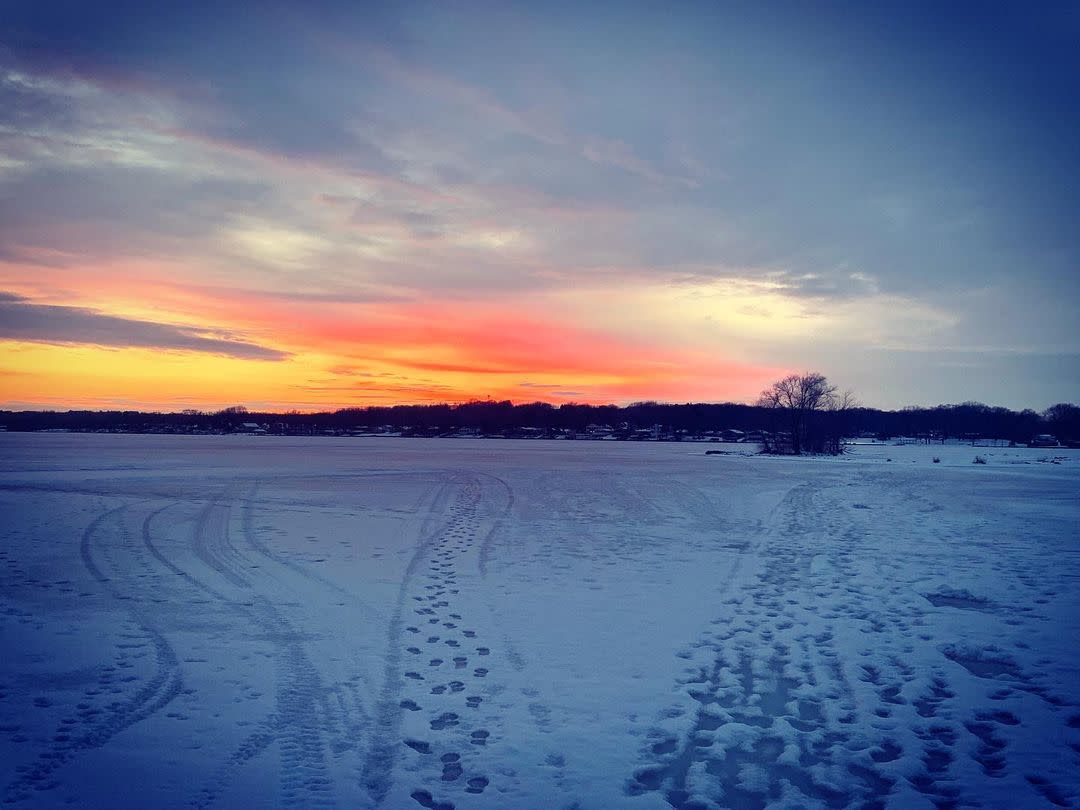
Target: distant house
[
  {"x": 250, "y": 427},
  {"x": 732, "y": 435},
  {"x": 1044, "y": 440}
]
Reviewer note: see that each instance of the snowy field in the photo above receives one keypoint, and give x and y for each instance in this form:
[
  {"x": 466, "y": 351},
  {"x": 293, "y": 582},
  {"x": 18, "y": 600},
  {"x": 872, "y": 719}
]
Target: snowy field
[{"x": 265, "y": 622}]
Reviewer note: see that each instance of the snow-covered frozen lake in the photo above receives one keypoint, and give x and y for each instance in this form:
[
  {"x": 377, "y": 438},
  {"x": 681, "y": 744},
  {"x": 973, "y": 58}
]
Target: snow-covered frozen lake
[{"x": 264, "y": 622}]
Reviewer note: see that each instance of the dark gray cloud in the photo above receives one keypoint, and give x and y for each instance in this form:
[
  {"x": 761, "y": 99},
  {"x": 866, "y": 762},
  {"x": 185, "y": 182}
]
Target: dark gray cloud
[
  {"x": 20, "y": 319},
  {"x": 106, "y": 211}
]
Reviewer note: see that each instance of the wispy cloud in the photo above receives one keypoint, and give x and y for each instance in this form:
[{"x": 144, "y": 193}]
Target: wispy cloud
[{"x": 22, "y": 320}]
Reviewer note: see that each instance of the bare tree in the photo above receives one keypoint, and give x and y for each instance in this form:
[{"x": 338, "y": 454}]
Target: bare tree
[
  {"x": 809, "y": 406},
  {"x": 836, "y": 423}
]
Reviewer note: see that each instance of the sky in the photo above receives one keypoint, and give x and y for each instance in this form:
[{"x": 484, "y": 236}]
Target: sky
[{"x": 314, "y": 206}]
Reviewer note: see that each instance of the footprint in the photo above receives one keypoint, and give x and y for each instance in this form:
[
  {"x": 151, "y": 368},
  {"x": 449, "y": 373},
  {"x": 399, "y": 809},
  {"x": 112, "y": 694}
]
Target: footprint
[
  {"x": 990, "y": 754},
  {"x": 936, "y": 760},
  {"x": 416, "y": 676},
  {"x": 480, "y": 672},
  {"x": 891, "y": 694},
  {"x": 476, "y": 784},
  {"x": 943, "y": 734},
  {"x": 479, "y": 737},
  {"x": 425, "y": 799},
  {"x": 927, "y": 705},
  {"x": 444, "y": 720},
  {"x": 473, "y": 702},
  {"x": 411, "y": 705},
  {"x": 483, "y": 651},
  {"x": 667, "y": 746},
  {"x": 419, "y": 746},
  {"x": 999, "y": 716},
  {"x": 889, "y": 751}
]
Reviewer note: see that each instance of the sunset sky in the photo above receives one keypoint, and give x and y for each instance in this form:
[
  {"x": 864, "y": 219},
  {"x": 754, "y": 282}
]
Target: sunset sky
[{"x": 314, "y": 206}]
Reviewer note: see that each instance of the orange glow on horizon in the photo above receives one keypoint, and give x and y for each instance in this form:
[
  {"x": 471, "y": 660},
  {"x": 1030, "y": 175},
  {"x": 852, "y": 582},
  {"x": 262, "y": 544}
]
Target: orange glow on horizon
[{"x": 339, "y": 353}]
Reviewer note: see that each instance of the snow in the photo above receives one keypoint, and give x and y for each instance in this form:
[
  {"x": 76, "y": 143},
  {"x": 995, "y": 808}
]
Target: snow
[{"x": 266, "y": 621}]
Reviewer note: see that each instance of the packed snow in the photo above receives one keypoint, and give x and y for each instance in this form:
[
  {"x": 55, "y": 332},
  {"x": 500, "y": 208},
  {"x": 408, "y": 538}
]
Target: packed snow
[{"x": 405, "y": 623}]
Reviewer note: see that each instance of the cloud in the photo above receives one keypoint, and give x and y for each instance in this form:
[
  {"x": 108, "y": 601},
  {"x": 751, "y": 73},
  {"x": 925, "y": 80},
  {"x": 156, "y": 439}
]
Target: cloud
[
  {"x": 833, "y": 285},
  {"x": 382, "y": 184},
  {"x": 23, "y": 320},
  {"x": 483, "y": 105},
  {"x": 464, "y": 368}
]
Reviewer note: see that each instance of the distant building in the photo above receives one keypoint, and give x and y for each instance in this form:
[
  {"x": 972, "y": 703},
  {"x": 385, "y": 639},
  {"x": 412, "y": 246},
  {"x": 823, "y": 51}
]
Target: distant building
[
  {"x": 1044, "y": 440},
  {"x": 250, "y": 427}
]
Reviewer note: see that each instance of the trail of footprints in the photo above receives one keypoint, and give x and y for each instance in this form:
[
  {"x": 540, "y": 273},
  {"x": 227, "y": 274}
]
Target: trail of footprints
[
  {"x": 791, "y": 710},
  {"x": 769, "y": 712},
  {"x": 448, "y": 662},
  {"x": 775, "y": 703}
]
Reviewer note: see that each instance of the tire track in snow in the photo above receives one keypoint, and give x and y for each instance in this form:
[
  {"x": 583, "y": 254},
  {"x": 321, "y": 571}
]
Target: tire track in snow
[
  {"x": 251, "y": 536},
  {"x": 487, "y": 545},
  {"x": 210, "y": 541},
  {"x": 353, "y": 714},
  {"x": 151, "y": 546},
  {"x": 87, "y": 536},
  {"x": 93, "y": 726},
  {"x": 299, "y": 719}
]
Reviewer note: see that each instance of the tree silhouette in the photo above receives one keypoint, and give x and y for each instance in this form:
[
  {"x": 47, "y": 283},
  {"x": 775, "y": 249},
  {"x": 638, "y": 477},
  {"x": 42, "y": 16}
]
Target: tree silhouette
[{"x": 811, "y": 409}]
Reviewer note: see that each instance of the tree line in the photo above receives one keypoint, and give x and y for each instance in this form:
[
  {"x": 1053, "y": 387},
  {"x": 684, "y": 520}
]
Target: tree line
[{"x": 968, "y": 420}]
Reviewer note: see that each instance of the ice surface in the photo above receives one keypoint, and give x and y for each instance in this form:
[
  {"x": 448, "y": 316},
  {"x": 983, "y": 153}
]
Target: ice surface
[{"x": 265, "y": 622}]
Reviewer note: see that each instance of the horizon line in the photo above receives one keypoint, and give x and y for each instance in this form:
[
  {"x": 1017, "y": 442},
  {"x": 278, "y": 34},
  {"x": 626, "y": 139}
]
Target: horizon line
[{"x": 513, "y": 403}]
